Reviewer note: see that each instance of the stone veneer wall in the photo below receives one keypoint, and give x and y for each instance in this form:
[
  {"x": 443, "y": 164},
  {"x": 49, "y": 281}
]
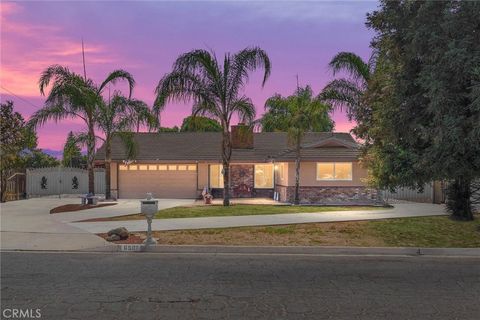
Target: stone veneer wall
[
  {"x": 241, "y": 175},
  {"x": 330, "y": 195}
]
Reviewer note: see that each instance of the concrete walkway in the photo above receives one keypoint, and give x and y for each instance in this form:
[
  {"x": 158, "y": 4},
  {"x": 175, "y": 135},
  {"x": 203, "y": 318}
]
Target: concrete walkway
[
  {"x": 122, "y": 208},
  {"x": 400, "y": 210},
  {"x": 28, "y": 224}
]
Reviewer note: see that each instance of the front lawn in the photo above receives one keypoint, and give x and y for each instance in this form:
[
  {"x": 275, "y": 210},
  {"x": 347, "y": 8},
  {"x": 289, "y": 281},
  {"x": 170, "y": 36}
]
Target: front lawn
[
  {"x": 438, "y": 231},
  {"x": 235, "y": 210}
]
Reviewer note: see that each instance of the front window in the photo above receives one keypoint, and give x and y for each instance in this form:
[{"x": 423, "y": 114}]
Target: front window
[
  {"x": 334, "y": 171},
  {"x": 263, "y": 176},
  {"x": 216, "y": 176}
]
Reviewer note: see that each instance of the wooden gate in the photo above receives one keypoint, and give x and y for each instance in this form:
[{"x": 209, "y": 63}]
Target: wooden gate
[{"x": 15, "y": 188}]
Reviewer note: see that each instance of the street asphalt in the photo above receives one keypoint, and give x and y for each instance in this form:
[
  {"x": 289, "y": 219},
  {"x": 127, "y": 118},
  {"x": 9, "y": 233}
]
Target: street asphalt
[{"x": 240, "y": 286}]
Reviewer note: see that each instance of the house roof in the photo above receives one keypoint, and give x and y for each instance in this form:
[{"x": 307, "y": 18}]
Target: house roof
[{"x": 206, "y": 146}]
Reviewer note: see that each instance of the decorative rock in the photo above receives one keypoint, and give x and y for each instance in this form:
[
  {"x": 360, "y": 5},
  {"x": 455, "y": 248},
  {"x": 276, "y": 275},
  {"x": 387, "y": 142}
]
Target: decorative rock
[
  {"x": 113, "y": 237},
  {"x": 121, "y": 232}
]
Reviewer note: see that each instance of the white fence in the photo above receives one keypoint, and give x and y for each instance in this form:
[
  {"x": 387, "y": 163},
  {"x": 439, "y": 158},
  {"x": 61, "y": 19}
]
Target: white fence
[
  {"x": 62, "y": 180},
  {"x": 410, "y": 194}
]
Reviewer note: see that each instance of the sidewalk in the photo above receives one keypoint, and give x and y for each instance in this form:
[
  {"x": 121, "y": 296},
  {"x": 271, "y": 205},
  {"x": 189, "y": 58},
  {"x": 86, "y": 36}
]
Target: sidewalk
[
  {"x": 298, "y": 250},
  {"x": 399, "y": 211}
]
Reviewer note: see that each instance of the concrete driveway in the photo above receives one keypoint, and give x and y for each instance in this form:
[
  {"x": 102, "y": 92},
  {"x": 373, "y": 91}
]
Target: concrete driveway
[
  {"x": 400, "y": 210},
  {"x": 122, "y": 208},
  {"x": 28, "y": 224}
]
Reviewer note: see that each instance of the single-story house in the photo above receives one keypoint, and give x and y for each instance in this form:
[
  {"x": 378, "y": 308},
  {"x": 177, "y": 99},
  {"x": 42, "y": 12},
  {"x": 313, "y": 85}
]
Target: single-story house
[{"x": 181, "y": 165}]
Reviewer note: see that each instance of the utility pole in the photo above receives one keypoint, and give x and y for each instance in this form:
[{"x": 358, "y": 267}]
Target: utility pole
[{"x": 84, "y": 68}]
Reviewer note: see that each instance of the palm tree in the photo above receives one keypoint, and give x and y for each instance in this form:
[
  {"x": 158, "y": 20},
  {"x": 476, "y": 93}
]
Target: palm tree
[
  {"x": 348, "y": 92},
  {"x": 300, "y": 113},
  {"x": 216, "y": 91},
  {"x": 74, "y": 96},
  {"x": 142, "y": 115},
  {"x": 117, "y": 118}
]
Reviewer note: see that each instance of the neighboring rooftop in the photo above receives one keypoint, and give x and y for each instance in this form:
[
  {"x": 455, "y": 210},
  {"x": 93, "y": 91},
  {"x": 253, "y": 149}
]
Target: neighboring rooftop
[{"x": 205, "y": 146}]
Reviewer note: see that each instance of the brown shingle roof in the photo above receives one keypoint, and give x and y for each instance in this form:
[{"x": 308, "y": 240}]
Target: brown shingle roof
[{"x": 205, "y": 146}]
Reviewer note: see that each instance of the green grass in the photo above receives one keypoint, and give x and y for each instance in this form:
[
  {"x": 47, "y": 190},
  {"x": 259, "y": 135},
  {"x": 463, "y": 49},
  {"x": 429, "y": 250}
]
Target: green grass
[
  {"x": 428, "y": 232},
  {"x": 234, "y": 210},
  {"x": 247, "y": 209},
  {"x": 438, "y": 231}
]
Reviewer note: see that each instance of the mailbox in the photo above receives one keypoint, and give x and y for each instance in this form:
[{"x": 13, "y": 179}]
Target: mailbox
[{"x": 149, "y": 208}]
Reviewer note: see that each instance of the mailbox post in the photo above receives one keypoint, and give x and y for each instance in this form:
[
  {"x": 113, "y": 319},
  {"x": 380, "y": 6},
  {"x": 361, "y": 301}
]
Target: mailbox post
[{"x": 149, "y": 208}]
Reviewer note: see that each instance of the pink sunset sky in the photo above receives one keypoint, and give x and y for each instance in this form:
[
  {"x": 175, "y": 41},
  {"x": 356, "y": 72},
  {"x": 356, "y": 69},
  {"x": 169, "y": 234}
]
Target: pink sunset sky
[{"x": 145, "y": 37}]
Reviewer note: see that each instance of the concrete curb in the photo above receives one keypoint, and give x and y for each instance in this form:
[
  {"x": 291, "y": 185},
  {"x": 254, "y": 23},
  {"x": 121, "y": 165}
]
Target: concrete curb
[{"x": 291, "y": 250}]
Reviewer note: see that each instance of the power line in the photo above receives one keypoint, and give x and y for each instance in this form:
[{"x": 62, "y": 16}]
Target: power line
[{"x": 24, "y": 100}]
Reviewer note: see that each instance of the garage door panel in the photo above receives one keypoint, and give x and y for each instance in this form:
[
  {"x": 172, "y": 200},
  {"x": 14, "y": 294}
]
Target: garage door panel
[{"x": 163, "y": 184}]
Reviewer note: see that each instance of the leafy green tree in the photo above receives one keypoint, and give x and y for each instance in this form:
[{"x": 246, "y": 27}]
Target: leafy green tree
[
  {"x": 14, "y": 139},
  {"x": 347, "y": 93},
  {"x": 296, "y": 114},
  {"x": 73, "y": 96},
  {"x": 36, "y": 158},
  {"x": 72, "y": 155},
  {"x": 216, "y": 90},
  {"x": 200, "y": 124},
  {"x": 425, "y": 97},
  {"x": 166, "y": 129}
]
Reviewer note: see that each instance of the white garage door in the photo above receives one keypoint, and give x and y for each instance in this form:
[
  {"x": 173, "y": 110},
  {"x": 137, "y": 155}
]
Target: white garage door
[{"x": 174, "y": 181}]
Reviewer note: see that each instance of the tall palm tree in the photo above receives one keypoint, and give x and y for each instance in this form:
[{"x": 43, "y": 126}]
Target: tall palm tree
[
  {"x": 142, "y": 115},
  {"x": 74, "y": 96},
  {"x": 116, "y": 118},
  {"x": 216, "y": 91},
  {"x": 300, "y": 113},
  {"x": 348, "y": 92}
]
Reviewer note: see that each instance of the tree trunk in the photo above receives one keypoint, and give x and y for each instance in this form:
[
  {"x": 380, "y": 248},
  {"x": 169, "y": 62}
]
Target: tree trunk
[
  {"x": 459, "y": 199},
  {"x": 226, "y": 155},
  {"x": 108, "y": 162},
  {"x": 3, "y": 184},
  {"x": 91, "y": 157},
  {"x": 297, "y": 175}
]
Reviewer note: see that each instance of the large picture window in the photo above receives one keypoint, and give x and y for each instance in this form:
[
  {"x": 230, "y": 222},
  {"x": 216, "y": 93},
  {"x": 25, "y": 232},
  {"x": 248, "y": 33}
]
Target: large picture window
[
  {"x": 334, "y": 171},
  {"x": 216, "y": 177},
  {"x": 263, "y": 176}
]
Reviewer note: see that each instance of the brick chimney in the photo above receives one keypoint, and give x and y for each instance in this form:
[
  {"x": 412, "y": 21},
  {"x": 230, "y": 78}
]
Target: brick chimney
[{"x": 242, "y": 136}]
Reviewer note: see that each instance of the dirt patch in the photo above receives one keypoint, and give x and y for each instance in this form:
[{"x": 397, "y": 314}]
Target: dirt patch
[{"x": 78, "y": 207}]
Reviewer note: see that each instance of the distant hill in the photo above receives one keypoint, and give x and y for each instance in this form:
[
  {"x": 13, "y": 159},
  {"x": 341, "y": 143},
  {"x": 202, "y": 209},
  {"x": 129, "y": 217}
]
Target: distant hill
[{"x": 54, "y": 153}]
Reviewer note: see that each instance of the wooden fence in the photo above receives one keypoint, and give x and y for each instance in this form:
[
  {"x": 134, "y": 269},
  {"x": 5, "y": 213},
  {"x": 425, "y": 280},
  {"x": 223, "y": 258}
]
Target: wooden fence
[{"x": 62, "y": 180}]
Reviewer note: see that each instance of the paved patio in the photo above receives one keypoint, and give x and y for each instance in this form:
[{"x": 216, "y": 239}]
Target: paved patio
[{"x": 400, "y": 210}]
